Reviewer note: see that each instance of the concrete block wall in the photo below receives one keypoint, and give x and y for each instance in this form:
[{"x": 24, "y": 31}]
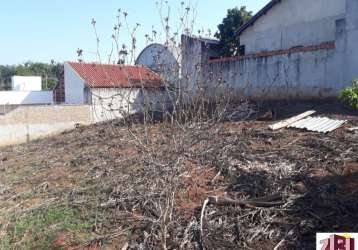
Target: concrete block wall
[
  {"x": 27, "y": 123},
  {"x": 304, "y": 73}
]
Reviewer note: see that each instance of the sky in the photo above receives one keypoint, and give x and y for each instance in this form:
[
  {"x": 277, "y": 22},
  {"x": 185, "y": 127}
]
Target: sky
[{"x": 43, "y": 30}]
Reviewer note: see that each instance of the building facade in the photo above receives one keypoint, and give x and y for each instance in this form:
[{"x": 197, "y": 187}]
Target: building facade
[
  {"x": 293, "y": 50},
  {"x": 113, "y": 91},
  {"x": 287, "y": 24},
  {"x": 25, "y": 90},
  {"x": 26, "y": 83}
]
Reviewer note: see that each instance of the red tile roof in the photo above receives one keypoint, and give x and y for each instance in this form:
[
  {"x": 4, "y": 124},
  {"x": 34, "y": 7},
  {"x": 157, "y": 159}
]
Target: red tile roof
[{"x": 116, "y": 76}]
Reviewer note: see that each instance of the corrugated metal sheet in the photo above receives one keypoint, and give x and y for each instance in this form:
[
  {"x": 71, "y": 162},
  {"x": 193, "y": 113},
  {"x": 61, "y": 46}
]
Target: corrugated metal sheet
[{"x": 318, "y": 124}]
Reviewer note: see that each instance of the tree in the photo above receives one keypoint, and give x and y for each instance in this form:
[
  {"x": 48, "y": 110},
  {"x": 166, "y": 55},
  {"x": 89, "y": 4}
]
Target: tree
[
  {"x": 5, "y": 74},
  {"x": 228, "y": 30},
  {"x": 50, "y": 73},
  {"x": 350, "y": 95}
]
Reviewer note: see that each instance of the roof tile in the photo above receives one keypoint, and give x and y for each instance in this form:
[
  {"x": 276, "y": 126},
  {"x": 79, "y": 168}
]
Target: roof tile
[{"x": 116, "y": 76}]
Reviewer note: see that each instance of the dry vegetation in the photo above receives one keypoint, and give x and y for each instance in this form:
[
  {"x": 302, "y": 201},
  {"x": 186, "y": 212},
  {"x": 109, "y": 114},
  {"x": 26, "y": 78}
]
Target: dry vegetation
[
  {"x": 195, "y": 181},
  {"x": 98, "y": 188}
]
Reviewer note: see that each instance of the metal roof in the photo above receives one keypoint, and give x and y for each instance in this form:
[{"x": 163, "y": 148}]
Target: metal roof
[{"x": 318, "y": 124}]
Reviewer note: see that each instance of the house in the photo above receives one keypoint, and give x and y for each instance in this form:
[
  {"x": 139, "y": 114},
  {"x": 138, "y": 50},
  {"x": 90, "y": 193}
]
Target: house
[
  {"x": 26, "y": 90},
  {"x": 290, "y": 50},
  {"x": 113, "y": 90},
  {"x": 285, "y": 24},
  {"x": 26, "y": 83}
]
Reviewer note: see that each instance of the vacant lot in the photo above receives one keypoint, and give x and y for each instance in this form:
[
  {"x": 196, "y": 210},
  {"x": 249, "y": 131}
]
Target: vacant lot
[{"x": 98, "y": 188}]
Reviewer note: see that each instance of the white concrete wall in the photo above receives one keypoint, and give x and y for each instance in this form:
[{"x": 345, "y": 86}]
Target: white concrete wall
[
  {"x": 195, "y": 55},
  {"x": 114, "y": 103},
  {"x": 25, "y": 97},
  {"x": 74, "y": 86},
  {"x": 349, "y": 41},
  {"x": 26, "y": 83},
  {"x": 192, "y": 59},
  {"x": 156, "y": 100},
  {"x": 26, "y": 123},
  {"x": 22, "y": 133},
  {"x": 303, "y": 75},
  {"x": 294, "y": 23}
]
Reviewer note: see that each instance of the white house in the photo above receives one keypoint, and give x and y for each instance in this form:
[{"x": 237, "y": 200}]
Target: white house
[
  {"x": 113, "y": 90},
  {"x": 291, "y": 49},
  {"x": 26, "y": 83},
  {"x": 26, "y": 90}
]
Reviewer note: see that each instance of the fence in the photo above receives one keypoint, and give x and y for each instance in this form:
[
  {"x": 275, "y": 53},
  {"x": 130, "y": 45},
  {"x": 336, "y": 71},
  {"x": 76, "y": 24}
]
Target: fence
[
  {"x": 26, "y": 123},
  {"x": 25, "y": 97},
  {"x": 299, "y": 73}
]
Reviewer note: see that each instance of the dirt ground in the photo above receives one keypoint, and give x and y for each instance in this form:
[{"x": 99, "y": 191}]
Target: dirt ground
[{"x": 85, "y": 188}]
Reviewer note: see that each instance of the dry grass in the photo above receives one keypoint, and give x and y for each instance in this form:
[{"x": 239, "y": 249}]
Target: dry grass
[{"x": 94, "y": 187}]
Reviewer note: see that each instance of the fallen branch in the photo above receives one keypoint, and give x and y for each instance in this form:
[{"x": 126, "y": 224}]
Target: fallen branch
[
  {"x": 279, "y": 244},
  {"x": 270, "y": 201},
  {"x": 206, "y": 202}
]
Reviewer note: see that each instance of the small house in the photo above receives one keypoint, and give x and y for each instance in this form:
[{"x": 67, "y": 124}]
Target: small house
[
  {"x": 113, "y": 90},
  {"x": 25, "y": 90}
]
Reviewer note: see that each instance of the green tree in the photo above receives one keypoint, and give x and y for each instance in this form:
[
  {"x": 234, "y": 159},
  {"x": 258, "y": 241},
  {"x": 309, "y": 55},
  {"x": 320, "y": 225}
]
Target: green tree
[
  {"x": 227, "y": 33},
  {"x": 5, "y": 75},
  {"x": 350, "y": 95},
  {"x": 50, "y": 73}
]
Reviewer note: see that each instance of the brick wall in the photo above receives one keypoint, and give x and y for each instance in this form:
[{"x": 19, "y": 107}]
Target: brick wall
[{"x": 326, "y": 45}]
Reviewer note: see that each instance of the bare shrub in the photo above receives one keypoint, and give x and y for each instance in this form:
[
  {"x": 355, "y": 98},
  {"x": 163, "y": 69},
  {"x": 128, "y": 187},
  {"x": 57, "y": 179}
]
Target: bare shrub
[{"x": 187, "y": 108}]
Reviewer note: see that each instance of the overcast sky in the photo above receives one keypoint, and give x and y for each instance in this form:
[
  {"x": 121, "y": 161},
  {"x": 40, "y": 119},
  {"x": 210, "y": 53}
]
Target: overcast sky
[{"x": 41, "y": 30}]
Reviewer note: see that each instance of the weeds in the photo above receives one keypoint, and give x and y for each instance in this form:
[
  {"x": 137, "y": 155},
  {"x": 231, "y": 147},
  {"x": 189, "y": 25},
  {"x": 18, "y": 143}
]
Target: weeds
[
  {"x": 350, "y": 95},
  {"x": 39, "y": 229}
]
